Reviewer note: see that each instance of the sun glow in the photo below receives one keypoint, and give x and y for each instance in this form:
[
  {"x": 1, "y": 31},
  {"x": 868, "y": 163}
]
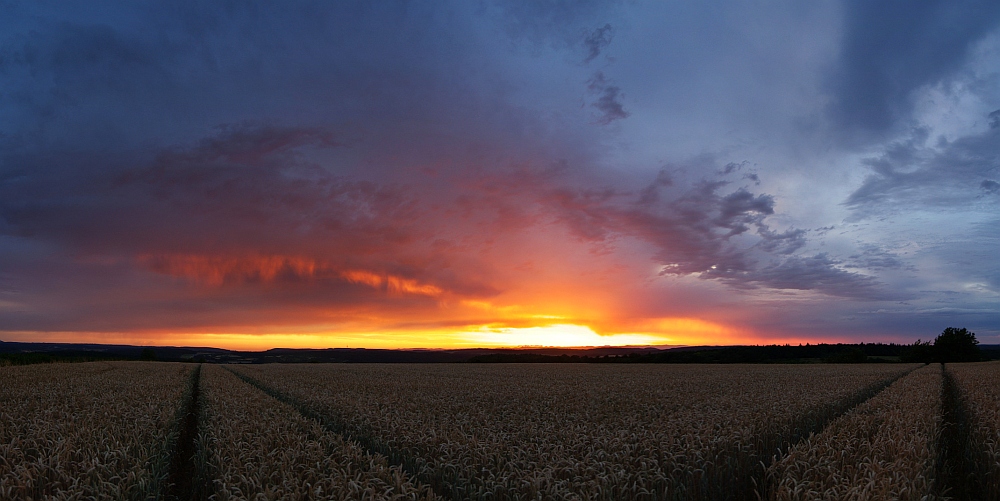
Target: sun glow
[
  {"x": 529, "y": 330},
  {"x": 456, "y": 323},
  {"x": 557, "y": 335}
]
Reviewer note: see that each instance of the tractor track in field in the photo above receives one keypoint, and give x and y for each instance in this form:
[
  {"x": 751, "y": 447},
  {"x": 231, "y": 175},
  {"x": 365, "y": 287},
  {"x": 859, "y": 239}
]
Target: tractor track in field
[
  {"x": 955, "y": 471},
  {"x": 441, "y": 486},
  {"x": 751, "y": 485},
  {"x": 184, "y": 481},
  {"x": 755, "y": 486}
]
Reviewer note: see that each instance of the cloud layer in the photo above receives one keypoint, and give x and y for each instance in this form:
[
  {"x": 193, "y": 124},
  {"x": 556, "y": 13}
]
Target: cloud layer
[{"x": 441, "y": 168}]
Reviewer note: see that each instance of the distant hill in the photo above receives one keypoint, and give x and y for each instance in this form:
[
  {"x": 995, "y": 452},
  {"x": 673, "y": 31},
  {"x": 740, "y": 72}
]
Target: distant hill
[
  {"x": 25, "y": 353},
  {"x": 770, "y": 354},
  {"x": 49, "y": 352}
]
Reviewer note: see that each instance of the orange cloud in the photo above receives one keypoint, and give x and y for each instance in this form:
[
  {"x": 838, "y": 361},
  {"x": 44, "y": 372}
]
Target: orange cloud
[
  {"x": 390, "y": 283},
  {"x": 220, "y": 270}
]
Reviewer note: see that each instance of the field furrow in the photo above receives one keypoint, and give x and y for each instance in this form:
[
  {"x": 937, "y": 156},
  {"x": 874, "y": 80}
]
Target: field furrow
[
  {"x": 579, "y": 432},
  {"x": 979, "y": 387},
  {"x": 99, "y": 430},
  {"x": 885, "y": 448},
  {"x": 256, "y": 447}
]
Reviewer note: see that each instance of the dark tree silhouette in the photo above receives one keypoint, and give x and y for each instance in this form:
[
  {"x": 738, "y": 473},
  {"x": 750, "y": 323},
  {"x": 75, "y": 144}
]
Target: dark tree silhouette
[
  {"x": 921, "y": 351},
  {"x": 957, "y": 345}
]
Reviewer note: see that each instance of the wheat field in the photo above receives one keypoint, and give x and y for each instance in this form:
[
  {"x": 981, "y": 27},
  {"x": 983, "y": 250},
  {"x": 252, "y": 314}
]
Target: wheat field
[
  {"x": 100, "y": 430},
  {"x": 882, "y": 449},
  {"x": 116, "y": 430}
]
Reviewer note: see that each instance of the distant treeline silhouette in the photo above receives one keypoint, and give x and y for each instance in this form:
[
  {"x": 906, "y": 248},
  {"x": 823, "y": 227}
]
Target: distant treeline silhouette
[
  {"x": 809, "y": 353},
  {"x": 953, "y": 345},
  {"x": 53, "y": 357}
]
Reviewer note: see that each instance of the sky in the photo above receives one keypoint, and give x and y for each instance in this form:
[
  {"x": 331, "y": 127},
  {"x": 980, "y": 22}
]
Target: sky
[{"x": 444, "y": 174}]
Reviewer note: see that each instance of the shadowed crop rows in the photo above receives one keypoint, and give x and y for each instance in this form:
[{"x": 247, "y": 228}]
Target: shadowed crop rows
[
  {"x": 886, "y": 448},
  {"x": 517, "y": 432},
  {"x": 257, "y": 447},
  {"x": 185, "y": 480},
  {"x": 955, "y": 475},
  {"x": 978, "y": 386},
  {"x": 334, "y": 425},
  {"x": 109, "y": 431},
  {"x": 100, "y": 430}
]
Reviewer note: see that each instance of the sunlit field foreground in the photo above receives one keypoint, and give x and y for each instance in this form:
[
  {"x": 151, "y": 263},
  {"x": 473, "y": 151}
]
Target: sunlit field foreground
[{"x": 148, "y": 430}]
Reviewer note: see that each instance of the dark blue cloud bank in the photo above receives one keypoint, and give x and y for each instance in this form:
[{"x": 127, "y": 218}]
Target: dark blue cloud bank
[{"x": 821, "y": 169}]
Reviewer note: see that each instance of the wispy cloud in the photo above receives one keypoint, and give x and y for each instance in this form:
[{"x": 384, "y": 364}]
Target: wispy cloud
[
  {"x": 923, "y": 172},
  {"x": 596, "y": 41},
  {"x": 608, "y": 101}
]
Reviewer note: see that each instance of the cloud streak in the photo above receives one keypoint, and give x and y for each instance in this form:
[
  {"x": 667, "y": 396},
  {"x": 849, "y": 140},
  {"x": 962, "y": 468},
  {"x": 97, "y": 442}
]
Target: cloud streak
[{"x": 919, "y": 171}]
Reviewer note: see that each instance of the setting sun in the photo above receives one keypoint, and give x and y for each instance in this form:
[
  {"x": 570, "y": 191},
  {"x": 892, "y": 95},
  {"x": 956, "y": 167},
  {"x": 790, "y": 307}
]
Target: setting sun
[{"x": 558, "y": 335}]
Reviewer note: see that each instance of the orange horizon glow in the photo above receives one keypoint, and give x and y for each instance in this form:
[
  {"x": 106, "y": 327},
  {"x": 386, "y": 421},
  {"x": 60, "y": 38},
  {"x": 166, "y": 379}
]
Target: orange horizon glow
[
  {"x": 546, "y": 304},
  {"x": 551, "y": 335}
]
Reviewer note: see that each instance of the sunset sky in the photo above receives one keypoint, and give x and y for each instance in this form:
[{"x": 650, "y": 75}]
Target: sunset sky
[{"x": 479, "y": 173}]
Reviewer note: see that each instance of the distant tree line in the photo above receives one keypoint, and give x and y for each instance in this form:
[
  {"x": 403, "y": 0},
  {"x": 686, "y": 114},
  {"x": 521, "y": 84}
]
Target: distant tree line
[
  {"x": 784, "y": 354},
  {"x": 953, "y": 345},
  {"x": 48, "y": 358}
]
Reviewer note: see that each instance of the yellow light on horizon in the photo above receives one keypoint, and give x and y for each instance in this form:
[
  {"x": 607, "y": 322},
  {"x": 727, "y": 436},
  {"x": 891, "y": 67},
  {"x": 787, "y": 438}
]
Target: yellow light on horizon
[
  {"x": 520, "y": 330},
  {"x": 671, "y": 332},
  {"x": 557, "y": 335}
]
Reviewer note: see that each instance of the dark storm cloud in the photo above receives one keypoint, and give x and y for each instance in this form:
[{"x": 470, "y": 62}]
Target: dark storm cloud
[
  {"x": 892, "y": 48},
  {"x": 243, "y": 178},
  {"x": 818, "y": 272},
  {"x": 741, "y": 208},
  {"x": 990, "y": 186},
  {"x": 157, "y": 75},
  {"x": 695, "y": 231},
  {"x": 920, "y": 171}
]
